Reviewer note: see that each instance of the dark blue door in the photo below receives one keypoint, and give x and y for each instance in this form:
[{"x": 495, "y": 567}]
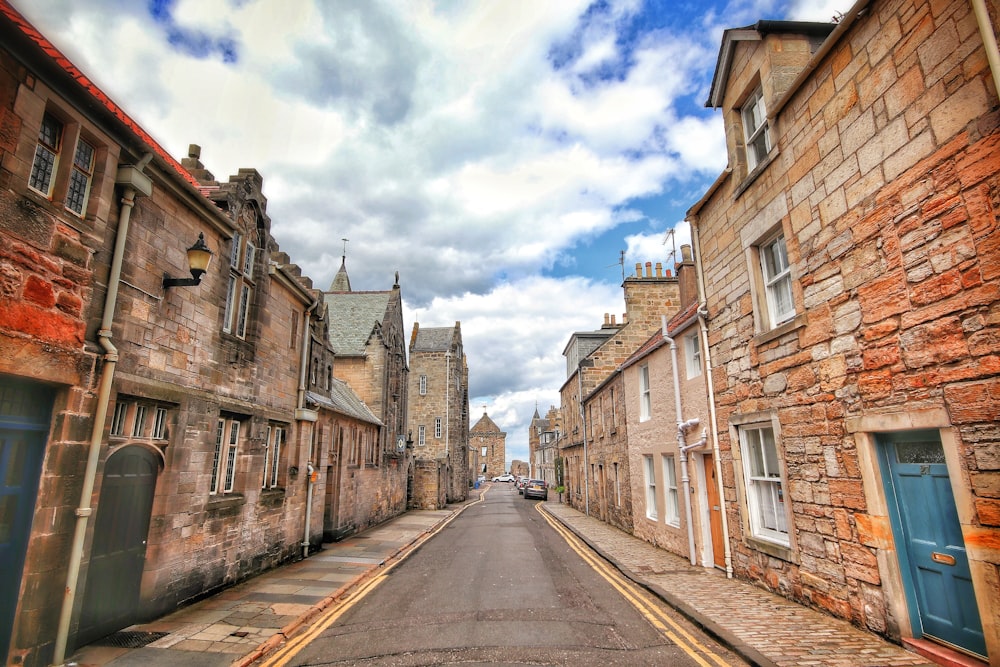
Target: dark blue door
[
  {"x": 24, "y": 426},
  {"x": 929, "y": 540}
]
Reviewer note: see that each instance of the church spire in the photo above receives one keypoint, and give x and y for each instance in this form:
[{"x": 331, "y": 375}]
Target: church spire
[{"x": 341, "y": 281}]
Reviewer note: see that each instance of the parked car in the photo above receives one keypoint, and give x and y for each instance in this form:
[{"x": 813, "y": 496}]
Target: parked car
[
  {"x": 536, "y": 488},
  {"x": 520, "y": 485},
  {"x": 503, "y": 478}
]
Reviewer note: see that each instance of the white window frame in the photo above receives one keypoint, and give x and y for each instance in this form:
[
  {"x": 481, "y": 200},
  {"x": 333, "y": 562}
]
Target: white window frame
[
  {"x": 139, "y": 422},
  {"x": 421, "y": 436},
  {"x": 756, "y": 132},
  {"x": 438, "y": 430},
  {"x": 423, "y": 385},
  {"x": 671, "y": 501},
  {"x": 763, "y": 480},
  {"x": 118, "y": 419},
  {"x": 48, "y": 149},
  {"x": 776, "y": 275},
  {"x": 81, "y": 177},
  {"x": 692, "y": 355},
  {"x": 242, "y": 265},
  {"x": 160, "y": 424},
  {"x": 274, "y": 437},
  {"x": 649, "y": 479},
  {"x": 645, "y": 399},
  {"x": 227, "y": 433}
]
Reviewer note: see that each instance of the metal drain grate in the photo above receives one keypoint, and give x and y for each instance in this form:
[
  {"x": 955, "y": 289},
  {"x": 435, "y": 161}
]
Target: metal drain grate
[{"x": 130, "y": 639}]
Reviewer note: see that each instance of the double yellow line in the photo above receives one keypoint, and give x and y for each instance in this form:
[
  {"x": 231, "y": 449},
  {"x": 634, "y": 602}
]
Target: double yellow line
[
  {"x": 639, "y": 598},
  {"x": 296, "y": 643}
]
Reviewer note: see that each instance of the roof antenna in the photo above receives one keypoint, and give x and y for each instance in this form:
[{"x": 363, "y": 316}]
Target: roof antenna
[
  {"x": 621, "y": 261},
  {"x": 673, "y": 244}
]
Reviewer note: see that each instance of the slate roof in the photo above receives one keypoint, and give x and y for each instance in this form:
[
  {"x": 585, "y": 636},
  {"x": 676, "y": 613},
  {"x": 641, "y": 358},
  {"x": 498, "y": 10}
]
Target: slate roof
[
  {"x": 433, "y": 339},
  {"x": 343, "y": 399},
  {"x": 486, "y": 425},
  {"x": 353, "y": 317}
]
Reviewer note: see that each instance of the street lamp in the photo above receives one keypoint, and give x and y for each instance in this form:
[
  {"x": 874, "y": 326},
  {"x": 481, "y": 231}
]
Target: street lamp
[{"x": 199, "y": 257}]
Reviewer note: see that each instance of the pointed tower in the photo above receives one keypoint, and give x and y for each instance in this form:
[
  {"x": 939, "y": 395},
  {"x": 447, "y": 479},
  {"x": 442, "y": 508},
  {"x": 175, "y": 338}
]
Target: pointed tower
[{"x": 341, "y": 281}]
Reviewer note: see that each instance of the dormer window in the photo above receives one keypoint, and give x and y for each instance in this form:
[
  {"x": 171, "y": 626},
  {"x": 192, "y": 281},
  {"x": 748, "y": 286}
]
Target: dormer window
[{"x": 755, "y": 129}]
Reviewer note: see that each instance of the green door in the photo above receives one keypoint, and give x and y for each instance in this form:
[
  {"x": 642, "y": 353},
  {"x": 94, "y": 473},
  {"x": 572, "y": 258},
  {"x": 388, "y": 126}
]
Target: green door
[
  {"x": 24, "y": 426},
  {"x": 929, "y": 540}
]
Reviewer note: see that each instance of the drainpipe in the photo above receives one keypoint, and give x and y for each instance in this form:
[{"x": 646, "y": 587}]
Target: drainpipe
[
  {"x": 447, "y": 420},
  {"x": 135, "y": 183},
  {"x": 989, "y": 40},
  {"x": 682, "y": 428},
  {"x": 703, "y": 325},
  {"x": 304, "y": 415},
  {"x": 310, "y": 471},
  {"x": 583, "y": 425}
]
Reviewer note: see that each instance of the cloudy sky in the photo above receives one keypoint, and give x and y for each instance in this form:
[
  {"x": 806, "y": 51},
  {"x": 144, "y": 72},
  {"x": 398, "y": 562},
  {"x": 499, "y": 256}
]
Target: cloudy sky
[{"x": 507, "y": 157}]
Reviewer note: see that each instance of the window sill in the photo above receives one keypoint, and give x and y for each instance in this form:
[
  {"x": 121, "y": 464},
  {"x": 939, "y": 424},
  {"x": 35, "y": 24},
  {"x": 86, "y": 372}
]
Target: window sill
[
  {"x": 779, "y": 551},
  {"x": 225, "y": 504},
  {"x": 757, "y": 171},
  {"x": 796, "y": 322}
]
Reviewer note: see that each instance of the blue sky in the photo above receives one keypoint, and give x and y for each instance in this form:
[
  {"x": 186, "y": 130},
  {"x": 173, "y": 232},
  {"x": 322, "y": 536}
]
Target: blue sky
[{"x": 500, "y": 154}]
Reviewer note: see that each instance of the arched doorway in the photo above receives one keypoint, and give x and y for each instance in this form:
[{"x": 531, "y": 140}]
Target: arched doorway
[{"x": 119, "y": 549}]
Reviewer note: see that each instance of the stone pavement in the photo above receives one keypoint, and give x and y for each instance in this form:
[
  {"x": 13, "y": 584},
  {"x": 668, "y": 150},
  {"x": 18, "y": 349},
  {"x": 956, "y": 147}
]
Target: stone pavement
[
  {"x": 244, "y": 622},
  {"x": 763, "y": 628},
  {"x": 241, "y": 623}
]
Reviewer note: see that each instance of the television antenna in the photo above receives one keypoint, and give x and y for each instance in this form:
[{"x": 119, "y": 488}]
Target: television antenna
[
  {"x": 670, "y": 235},
  {"x": 621, "y": 262}
]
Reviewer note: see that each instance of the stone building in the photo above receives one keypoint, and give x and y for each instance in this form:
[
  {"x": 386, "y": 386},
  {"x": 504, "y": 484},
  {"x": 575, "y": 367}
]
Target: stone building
[
  {"x": 543, "y": 446},
  {"x": 487, "y": 449},
  {"x": 167, "y": 417},
  {"x": 592, "y": 358},
  {"x": 850, "y": 265},
  {"x": 607, "y": 455},
  {"x": 439, "y": 416},
  {"x": 368, "y": 339},
  {"x": 674, "y": 472}
]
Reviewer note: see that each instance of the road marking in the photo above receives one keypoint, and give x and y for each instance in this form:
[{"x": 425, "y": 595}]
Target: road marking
[
  {"x": 636, "y": 595},
  {"x": 295, "y": 644}
]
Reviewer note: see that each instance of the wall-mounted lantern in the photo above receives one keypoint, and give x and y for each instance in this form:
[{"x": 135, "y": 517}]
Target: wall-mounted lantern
[{"x": 199, "y": 257}]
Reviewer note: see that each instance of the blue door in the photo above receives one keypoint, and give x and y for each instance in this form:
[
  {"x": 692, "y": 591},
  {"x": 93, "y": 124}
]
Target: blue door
[
  {"x": 24, "y": 426},
  {"x": 929, "y": 541}
]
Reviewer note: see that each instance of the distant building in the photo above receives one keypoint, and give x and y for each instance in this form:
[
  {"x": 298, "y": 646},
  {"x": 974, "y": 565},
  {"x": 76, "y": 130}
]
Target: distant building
[
  {"x": 592, "y": 358},
  {"x": 520, "y": 468},
  {"x": 543, "y": 448},
  {"x": 487, "y": 448},
  {"x": 367, "y": 336},
  {"x": 439, "y": 416}
]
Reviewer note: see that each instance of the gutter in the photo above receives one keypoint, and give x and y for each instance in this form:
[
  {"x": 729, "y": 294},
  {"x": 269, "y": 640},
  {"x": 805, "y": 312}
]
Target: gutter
[
  {"x": 692, "y": 219},
  {"x": 682, "y": 430},
  {"x": 135, "y": 183}
]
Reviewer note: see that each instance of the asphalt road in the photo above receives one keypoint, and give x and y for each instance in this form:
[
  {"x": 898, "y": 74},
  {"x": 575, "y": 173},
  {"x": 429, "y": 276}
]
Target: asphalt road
[{"x": 499, "y": 585}]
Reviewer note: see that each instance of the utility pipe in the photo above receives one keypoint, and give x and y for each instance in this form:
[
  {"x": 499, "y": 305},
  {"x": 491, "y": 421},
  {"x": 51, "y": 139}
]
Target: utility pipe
[
  {"x": 583, "y": 425},
  {"x": 989, "y": 40},
  {"x": 682, "y": 428},
  {"x": 299, "y": 413},
  {"x": 713, "y": 417},
  {"x": 137, "y": 183}
]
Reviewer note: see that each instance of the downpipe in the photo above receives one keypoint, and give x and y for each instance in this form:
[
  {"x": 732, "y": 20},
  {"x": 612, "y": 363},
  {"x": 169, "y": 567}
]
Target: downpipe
[
  {"x": 682, "y": 429},
  {"x": 84, "y": 510},
  {"x": 310, "y": 482}
]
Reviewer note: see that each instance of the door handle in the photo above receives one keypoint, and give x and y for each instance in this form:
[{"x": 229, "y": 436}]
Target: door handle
[{"x": 944, "y": 559}]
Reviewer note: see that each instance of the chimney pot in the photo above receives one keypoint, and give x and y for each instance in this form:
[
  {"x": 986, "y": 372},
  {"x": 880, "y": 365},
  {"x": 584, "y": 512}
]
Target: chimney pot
[
  {"x": 649, "y": 269},
  {"x": 686, "y": 253},
  {"x": 659, "y": 269},
  {"x": 194, "y": 151},
  {"x": 612, "y": 320},
  {"x": 607, "y": 319},
  {"x": 638, "y": 270}
]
